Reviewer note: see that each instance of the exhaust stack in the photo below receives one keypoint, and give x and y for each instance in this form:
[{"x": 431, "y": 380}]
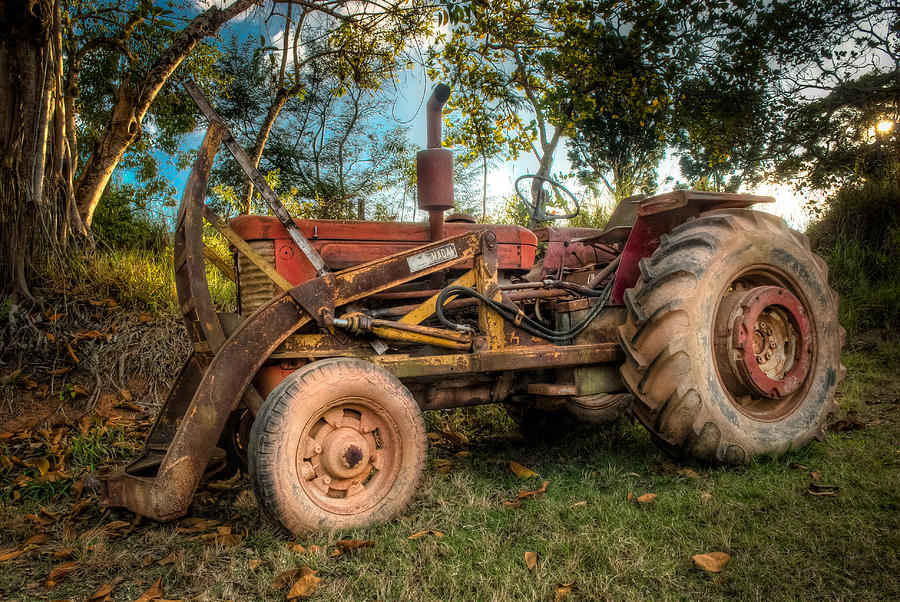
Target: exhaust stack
[{"x": 434, "y": 167}]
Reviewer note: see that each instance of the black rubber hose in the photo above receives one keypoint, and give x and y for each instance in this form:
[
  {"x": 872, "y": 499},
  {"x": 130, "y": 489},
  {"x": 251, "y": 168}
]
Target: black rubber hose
[{"x": 514, "y": 314}]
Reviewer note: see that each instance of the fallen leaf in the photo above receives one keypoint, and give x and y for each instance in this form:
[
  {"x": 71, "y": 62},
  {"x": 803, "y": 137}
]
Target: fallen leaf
[
  {"x": 523, "y": 495},
  {"x": 462, "y": 454},
  {"x": 629, "y": 496},
  {"x": 285, "y": 578},
  {"x": 521, "y": 471},
  {"x": 42, "y": 465},
  {"x": 442, "y": 465},
  {"x": 646, "y": 498},
  {"x": 510, "y": 504},
  {"x": 424, "y": 533},
  {"x": 454, "y": 438},
  {"x": 117, "y": 527},
  {"x": 253, "y": 563},
  {"x": 231, "y": 539},
  {"x": 530, "y": 560},
  {"x": 563, "y": 590},
  {"x": 705, "y": 496},
  {"x": 816, "y": 475},
  {"x": 305, "y": 585},
  {"x": 196, "y": 525},
  {"x": 665, "y": 467},
  {"x": 296, "y": 548},
  {"x": 71, "y": 352},
  {"x": 144, "y": 317},
  {"x": 65, "y": 553},
  {"x": 577, "y": 504},
  {"x": 226, "y": 484},
  {"x": 823, "y": 490},
  {"x": 10, "y": 553},
  {"x": 55, "y": 317},
  {"x": 170, "y": 559},
  {"x": 59, "y": 572},
  {"x": 147, "y": 560},
  {"x": 345, "y": 545},
  {"x": 314, "y": 549},
  {"x": 632, "y": 474},
  {"x": 797, "y": 466},
  {"x": 689, "y": 473},
  {"x": 712, "y": 562},
  {"x": 35, "y": 540},
  {"x": 154, "y": 592},
  {"x": 101, "y": 593}
]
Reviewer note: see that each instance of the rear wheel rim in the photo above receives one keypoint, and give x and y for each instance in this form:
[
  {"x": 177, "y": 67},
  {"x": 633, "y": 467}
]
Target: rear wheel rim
[{"x": 764, "y": 344}]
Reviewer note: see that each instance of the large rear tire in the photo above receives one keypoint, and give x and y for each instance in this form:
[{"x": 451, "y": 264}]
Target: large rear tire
[
  {"x": 732, "y": 339},
  {"x": 338, "y": 444}
]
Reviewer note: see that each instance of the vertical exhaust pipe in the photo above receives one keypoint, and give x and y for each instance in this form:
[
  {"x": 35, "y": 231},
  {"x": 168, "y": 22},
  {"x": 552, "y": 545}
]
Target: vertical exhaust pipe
[{"x": 434, "y": 167}]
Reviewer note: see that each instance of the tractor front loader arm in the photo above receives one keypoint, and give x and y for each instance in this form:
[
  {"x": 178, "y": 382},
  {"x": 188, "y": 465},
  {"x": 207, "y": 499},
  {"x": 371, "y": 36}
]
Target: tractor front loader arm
[{"x": 166, "y": 495}]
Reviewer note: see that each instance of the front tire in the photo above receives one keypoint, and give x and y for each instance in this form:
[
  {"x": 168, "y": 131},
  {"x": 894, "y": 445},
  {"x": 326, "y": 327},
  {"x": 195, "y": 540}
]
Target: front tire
[
  {"x": 338, "y": 444},
  {"x": 732, "y": 339}
]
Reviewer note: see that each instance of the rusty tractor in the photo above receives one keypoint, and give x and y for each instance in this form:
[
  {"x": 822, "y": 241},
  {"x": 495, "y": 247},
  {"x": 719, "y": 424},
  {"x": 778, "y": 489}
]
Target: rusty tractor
[{"x": 712, "y": 323}]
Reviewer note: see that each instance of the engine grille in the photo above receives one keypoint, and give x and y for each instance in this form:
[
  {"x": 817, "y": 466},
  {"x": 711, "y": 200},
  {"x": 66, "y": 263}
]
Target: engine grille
[{"x": 256, "y": 288}]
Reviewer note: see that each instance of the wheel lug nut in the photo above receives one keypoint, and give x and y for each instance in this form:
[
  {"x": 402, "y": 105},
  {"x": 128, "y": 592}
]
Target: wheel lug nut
[
  {"x": 772, "y": 345},
  {"x": 326, "y": 480},
  {"x": 318, "y": 449}
]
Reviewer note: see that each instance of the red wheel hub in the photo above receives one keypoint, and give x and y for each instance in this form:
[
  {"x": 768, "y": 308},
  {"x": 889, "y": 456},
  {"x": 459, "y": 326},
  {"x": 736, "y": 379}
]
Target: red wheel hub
[{"x": 774, "y": 341}]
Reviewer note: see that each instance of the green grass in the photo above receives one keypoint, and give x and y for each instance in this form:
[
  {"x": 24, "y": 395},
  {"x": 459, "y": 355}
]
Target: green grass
[
  {"x": 145, "y": 279},
  {"x": 784, "y": 542}
]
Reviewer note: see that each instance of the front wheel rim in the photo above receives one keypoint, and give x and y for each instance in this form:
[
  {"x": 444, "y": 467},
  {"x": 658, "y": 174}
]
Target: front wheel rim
[{"x": 349, "y": 456}]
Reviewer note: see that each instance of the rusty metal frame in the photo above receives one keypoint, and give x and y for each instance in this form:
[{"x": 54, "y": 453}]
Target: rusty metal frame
[{"x": 217, "y": 376}]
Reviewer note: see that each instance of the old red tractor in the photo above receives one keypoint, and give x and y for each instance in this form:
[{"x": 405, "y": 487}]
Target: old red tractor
[{"x": 712, "y": 323}]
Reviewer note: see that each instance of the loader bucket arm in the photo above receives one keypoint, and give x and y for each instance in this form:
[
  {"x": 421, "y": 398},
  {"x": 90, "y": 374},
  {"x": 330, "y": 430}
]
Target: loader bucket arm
[{"x": 162, "y": 482}]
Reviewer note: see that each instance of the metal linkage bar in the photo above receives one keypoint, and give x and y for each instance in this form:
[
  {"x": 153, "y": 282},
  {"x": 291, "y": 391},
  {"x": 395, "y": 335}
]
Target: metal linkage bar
[{"x": 265, "y": 190}]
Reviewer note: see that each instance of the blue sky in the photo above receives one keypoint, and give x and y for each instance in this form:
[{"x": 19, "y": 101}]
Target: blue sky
[{"x": 412, "y": 90}]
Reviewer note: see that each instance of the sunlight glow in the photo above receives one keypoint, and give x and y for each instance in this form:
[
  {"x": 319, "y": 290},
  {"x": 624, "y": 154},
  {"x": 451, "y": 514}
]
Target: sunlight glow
[{"x": 884, "y": 126}]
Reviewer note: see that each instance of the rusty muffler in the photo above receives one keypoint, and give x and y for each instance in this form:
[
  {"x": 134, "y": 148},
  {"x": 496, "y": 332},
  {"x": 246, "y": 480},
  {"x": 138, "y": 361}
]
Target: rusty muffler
[{"x": 434, "y": 167}]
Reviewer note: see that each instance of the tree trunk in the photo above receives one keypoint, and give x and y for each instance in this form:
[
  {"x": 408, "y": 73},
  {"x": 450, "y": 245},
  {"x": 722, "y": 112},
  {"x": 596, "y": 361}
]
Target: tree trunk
[
  {"x": 28, "y": 78},
  {"x": 133, "y": 99},
  {"x": 281, "y": 97}
]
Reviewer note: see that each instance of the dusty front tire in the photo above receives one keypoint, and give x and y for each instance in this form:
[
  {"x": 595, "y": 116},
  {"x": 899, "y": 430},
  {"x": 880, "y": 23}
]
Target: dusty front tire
[
  {"x": 339, "y": 444},
  {"x": 732, "y": 339}
]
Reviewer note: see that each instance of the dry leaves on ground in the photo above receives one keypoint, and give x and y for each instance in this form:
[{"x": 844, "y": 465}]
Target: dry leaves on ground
[
  {"x": 305, "y": 585},
  {"x": 453, "y": 438},
  {"x": 563, "y": 590},
  {"x": 712, "y": 562},
  {"x": 531, "y": 560},
  {"x": 347, "y": 545},
  {"x": 60, "y": 571},
  {"x": 424, "y": 533},
  {"x": 527, "y": 495},
  {"x": 647, "y": 498},
  {"x": 153, "y": 593},
  {"x": 521, "y": 471}
]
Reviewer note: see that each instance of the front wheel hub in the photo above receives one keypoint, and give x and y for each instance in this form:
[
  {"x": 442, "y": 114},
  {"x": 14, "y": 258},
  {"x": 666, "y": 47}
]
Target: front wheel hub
[{"x": 773, "y": 340}]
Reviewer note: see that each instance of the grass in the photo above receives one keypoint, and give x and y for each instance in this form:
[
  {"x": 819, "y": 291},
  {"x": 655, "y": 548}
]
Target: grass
[
  {"x": 784, "y": 542},
  {"x": 145, "y": 279}
]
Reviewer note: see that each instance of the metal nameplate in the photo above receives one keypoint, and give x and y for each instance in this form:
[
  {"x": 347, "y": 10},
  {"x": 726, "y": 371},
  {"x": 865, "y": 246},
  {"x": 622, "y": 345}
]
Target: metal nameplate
[{"x": 431, "y": 257}]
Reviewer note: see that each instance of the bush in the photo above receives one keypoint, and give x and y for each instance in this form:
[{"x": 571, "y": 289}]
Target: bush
[
  {"x": 859, "y": 238},
  {"x": 119, "y": 224}
]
